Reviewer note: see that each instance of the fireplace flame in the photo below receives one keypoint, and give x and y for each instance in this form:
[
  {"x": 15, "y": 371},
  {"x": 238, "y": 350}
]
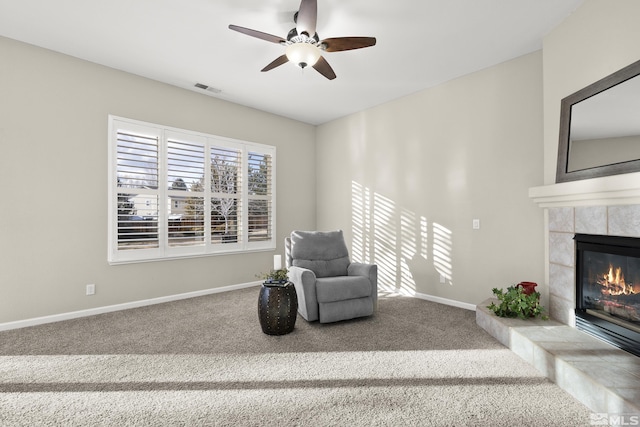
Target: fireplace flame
[{"x": 613, "y": 283}]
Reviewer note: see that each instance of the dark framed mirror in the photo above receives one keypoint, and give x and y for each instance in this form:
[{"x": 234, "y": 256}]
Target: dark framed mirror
[{"x": 600, "y": 128}]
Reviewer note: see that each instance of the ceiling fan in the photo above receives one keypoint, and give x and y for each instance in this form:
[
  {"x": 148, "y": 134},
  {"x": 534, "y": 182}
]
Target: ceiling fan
[{"x": 303, "y": 46}]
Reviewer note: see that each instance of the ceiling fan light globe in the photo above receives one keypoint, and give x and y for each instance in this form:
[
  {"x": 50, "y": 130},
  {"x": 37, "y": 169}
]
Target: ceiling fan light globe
[{"x": 302, "y": 54}]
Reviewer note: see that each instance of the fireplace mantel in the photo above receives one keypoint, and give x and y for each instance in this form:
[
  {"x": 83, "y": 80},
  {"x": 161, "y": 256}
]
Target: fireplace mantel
[{"x": 609, "y": 190}]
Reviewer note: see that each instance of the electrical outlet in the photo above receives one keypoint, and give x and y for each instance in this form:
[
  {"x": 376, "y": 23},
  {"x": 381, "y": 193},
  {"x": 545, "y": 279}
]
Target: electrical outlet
[
  {"x": 91, "y": 289},
  {"x": 443, "y": 279},
  {"x": 476, "y": 224}
]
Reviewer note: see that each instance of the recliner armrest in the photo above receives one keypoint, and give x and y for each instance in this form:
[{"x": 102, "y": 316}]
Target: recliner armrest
[
  {"x": 360, "y": 269},
  {"x": 301, "y": 275},
  {"x": 304, "y": 281},
  {"x": 366, "y": 270}
]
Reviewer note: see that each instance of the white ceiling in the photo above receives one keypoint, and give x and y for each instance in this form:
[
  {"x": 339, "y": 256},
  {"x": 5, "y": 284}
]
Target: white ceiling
[{"x": 420, "y": 43}]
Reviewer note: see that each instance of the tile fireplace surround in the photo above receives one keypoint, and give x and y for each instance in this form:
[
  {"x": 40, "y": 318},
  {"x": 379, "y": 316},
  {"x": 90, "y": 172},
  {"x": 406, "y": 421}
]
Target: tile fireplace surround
[
  {"x": 606, "y": 206},
  {"x": 571, "y": 358}
]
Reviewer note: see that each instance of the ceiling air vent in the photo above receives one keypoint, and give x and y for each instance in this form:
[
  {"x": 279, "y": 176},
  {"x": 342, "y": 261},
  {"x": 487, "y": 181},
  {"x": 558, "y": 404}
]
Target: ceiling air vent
[{"x": 208, "y": 88}]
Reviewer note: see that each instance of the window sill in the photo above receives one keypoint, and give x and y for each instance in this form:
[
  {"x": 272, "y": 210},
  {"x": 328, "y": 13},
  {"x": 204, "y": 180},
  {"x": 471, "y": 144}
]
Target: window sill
[{"x": 188, "y": 256}]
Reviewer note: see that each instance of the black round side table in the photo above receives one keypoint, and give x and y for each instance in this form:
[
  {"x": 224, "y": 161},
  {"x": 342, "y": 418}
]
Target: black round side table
[{"x": 277, "y": 307}]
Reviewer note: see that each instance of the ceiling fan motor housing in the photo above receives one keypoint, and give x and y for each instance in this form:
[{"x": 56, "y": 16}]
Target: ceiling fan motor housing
[{"x": 293, "y": 34}]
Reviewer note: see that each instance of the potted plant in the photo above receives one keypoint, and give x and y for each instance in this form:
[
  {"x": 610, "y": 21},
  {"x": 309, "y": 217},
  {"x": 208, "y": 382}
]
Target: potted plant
[
  {"x": 515, "y": 302},
  {"x": 275, "y": 277}
]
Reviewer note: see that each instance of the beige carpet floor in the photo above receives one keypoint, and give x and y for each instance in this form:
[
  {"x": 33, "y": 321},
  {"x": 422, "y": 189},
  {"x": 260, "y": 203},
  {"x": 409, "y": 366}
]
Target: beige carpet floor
[{"x": 205, "y": 362}]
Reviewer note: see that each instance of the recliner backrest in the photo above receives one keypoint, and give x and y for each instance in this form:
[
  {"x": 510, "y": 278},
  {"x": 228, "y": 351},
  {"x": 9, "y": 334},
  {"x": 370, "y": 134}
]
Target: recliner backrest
[{"x": 323, "y": 252}]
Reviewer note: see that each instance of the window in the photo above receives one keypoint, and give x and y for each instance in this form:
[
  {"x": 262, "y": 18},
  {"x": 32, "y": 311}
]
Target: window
[{"x": 175, "y": 193}]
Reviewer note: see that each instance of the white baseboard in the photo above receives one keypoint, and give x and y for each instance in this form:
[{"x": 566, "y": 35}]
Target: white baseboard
[
  {"x": 142, "y": 303},
  {"x": 446, "y": 301},
  {"x": 117, "y": 307}
]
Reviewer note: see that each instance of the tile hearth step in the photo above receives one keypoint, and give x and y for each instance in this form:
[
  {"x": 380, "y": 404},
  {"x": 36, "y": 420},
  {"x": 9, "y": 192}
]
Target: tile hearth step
[{"x": 602, "y": 377}]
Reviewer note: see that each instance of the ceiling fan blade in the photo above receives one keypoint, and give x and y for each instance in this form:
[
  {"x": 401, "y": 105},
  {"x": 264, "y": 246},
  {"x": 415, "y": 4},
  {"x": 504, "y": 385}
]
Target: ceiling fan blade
[
  {"x": 338, "y": 44},
  {"x": 307, "y": 17},
  {"x": 323, "y": 67},
  {"x": 276, "y": 63},
  {"x": 257, "y": 34}
]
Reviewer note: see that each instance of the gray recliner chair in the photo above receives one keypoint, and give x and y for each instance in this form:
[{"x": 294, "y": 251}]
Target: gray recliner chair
[{"x": 330, "y": 287}]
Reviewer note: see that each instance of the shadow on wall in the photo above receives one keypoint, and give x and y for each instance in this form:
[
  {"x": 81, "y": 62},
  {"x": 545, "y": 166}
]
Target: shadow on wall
[{"x": 406, "y": 248}]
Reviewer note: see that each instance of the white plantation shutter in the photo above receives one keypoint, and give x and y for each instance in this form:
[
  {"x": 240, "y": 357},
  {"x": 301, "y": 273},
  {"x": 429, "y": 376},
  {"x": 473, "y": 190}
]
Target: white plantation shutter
[
  {"x": 137, "y": 191},
  {"x": 185, "y": 177},
  {"x": 259, "y": 197},
  {"x": 137, "y": 162},
  {"x": 226, "y": 185},
  {"x": 176, "y": 193},
  {"x": 185, "y": 165}
]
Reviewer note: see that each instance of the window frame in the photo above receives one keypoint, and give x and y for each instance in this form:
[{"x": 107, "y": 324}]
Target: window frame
[{"x": 165, "y": 251}]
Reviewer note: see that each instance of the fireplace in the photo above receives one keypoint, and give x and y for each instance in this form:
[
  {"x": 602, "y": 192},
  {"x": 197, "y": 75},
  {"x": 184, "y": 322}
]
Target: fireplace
[{"x": 608, "y": 289}]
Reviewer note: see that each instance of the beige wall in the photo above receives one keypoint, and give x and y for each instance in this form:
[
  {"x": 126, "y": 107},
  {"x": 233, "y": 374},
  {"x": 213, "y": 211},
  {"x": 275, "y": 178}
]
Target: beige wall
[
  {"x": 406, "y": 179},
  {"x": 53, "y": 166},
  {"x": 598, "y": 39}
]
